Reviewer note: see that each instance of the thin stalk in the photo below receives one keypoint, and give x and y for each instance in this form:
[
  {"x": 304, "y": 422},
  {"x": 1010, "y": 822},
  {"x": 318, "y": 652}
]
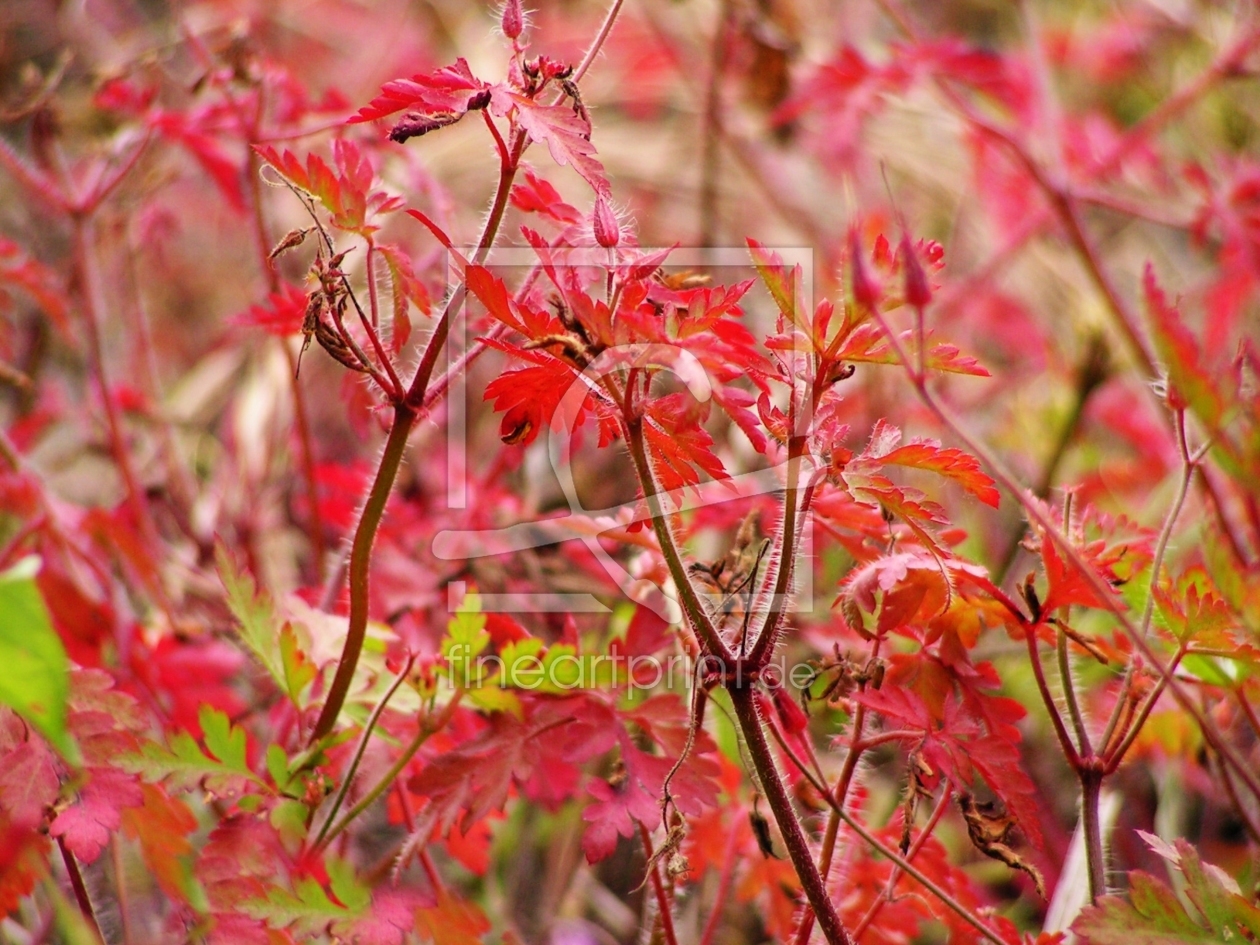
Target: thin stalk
[
  {"x": 764, "y": 641},
  {"x": 405, "y": 415},
  {"x": 927, "y": 831},
  {"x": 366, "y": 737},
  {"x": 1090, "y": 374},
  {"x": 306, "y": 452},
  {"x": 745, "y": 704},
  {"x": 1069, "y": 694},
  {"x": 360, "y": 565},
  {"x": 601, "y": 36},
  {"x": 1188, "y": 465},
  {"x": 658, "y": 888},
  {"x": 427, "y": 728},
  {"x": 1005, "y": 478},
  {"x": 837, "y": 797},
  {"x": 905, "y": 865},
  {"x": 1134, "y": 727},
  {"x": 86, "y": 278},
  {"x": 710, "y": 160},
  {"x": 724, "y": 887},
  {"x": 697, "y": 615}
]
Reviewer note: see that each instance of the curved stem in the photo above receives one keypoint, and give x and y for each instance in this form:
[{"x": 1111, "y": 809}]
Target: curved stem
[
  {"x": 921, "y": 839},
  {"x": 80, "y": 888},
  {"x": 406, "y": 411},
  {"x": 694, "y": 609},
  {"x": 1069, "y": 693},
  {"x": 838, "y": 796},
  {"x": 360, "y": 564}
]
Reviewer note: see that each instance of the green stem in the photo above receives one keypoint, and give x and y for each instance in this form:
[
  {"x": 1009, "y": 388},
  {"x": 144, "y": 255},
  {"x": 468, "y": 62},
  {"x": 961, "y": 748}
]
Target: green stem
[
  {"x": 427, "y": 728},
  {"x": 405, "y": 413},
  {"x": 366, "y": 737}
]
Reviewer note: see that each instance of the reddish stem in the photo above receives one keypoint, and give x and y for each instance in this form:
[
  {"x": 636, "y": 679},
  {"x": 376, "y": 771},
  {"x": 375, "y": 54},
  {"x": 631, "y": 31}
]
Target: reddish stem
[{"x": 658, "y": 888}]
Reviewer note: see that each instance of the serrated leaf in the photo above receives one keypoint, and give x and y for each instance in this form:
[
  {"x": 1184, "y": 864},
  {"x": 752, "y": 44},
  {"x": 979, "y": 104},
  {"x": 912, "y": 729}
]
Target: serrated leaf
[
  {"x": 255, "y": 613},
  {"x": 185, "y": 766},
  {"x": 493, "y": 698},
  {"x": 566, "y": 134},
  {"x": 451, "y": 921},
  {"x": 1152, "y": 914},
  {"x": 466, "y": 638},
  {"x": 162, "y": 825},
  {"x": 442, "y": 92},
  {"x": 223, "y": 739}
]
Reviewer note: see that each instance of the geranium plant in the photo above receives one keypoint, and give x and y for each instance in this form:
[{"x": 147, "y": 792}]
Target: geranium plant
[{"x": 817, "y": 500}]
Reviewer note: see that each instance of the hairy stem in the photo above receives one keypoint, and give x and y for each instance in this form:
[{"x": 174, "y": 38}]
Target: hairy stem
[
  {"x": 658, "y": 888},
  {"x": 1091, "y": 826},
  {"x": 406, "y": 411},
  {"x": 697, "y": 616},
  {"x": 743, "y": 698}
]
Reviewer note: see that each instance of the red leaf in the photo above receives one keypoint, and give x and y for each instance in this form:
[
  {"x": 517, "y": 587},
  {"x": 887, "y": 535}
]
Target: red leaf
[
  {"x": 678, "y": 443},
  {"x": 281, "y": 314},
  {"x": 446, "y": 91},
  {"x": 951, "y": 463},
  {"x": 36, "y": 280},
  {"x": 536, "y": 195},
  {"x": 28, "y": 783},
  {"x": 566, "y": 134},
  {"x": 162, "y": 826},
  {"x": 344, "y": 193},
  {"x": 1192, "y": 382},
  {"x": 528, "y": 398},
  {"x": 86, "y": 825}
]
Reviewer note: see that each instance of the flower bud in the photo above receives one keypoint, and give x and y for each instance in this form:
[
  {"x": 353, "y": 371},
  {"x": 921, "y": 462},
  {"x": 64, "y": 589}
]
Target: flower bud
[
  {"x": 865, "y": 291},
  {"x": 604, "y": 223},
  {"x": 513, "y": 19},
  {"x": 918, "y": 292}
]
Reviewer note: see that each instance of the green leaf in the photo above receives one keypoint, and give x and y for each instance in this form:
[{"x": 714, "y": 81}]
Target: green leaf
[
  {"x": 289, "y": 817},
  {"x": 33, "y": 665},
  {"x": 226, "y": 741},
  {"x": 308, "y": 908},
  {"x": 466, "y": 638},
  {"x": 493, "y": 698},
  {"x": 299, "y": 671},
  {"x": 1153, "y": 915},
  {"x": 186, "y": 766},
  {"x": 346, "y": 886},
  {"x": 278, "y": 767},
  {"x": 255, "y": 614}
]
